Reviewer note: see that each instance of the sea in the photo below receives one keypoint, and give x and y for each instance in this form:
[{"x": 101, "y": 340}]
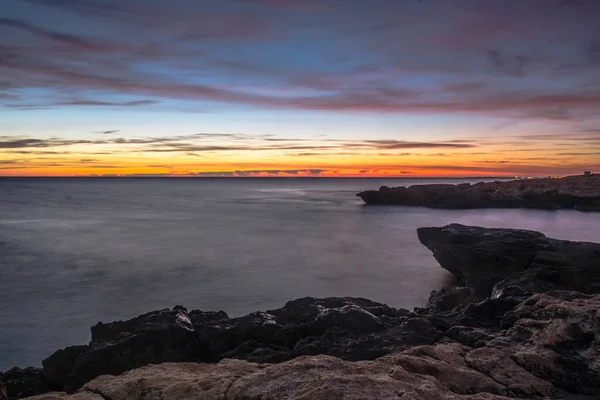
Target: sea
[{"x": 74, "y": 252}]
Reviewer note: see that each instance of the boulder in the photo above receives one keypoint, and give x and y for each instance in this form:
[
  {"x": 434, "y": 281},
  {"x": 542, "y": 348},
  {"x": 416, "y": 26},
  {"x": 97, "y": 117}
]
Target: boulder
[
  {"x": 166, "y": 335},
  {"x": 490, "y": 260}
]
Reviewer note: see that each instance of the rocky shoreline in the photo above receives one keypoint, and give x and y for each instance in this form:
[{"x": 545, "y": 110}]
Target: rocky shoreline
[
  {"x": 526, "y": 324},
  {"x": 580, "y": 192}
]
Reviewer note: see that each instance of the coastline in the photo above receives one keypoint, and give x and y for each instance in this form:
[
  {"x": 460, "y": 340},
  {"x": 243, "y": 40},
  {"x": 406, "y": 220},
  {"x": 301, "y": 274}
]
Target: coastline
[
  {"x": 491, "y": 316},
  {"x": 579, "y": 192}
]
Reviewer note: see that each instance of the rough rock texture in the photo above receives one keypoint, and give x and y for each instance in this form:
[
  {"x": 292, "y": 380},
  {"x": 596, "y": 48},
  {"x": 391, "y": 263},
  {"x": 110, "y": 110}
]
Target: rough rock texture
[
  {"x": 546, "y": 346},
  {"x": 579, "y": 192},
  {"x": 526, "y": 325},
  {"x": 493, "y": 260},
  {"x": 433, "y": 374},
  {"x": 349, "y": 328},
  {"x": 23, "y": 382}
]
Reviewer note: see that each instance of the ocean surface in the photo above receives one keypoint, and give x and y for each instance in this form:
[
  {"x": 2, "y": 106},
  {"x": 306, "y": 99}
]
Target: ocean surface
[{"x": 77, "y": 251}]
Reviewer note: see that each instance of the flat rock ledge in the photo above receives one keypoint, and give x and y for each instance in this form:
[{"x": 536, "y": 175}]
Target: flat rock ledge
[
  {"x": 526, "y": 324},
  {"x": 581, "y": 192}
]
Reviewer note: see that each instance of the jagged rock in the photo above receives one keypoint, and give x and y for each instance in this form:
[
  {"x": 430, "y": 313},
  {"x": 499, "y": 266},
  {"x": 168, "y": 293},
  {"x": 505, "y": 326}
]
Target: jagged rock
[
  {"x": 547, "y": 348},
  {"x": 58, "y": 366},
  {"x": 350, "y": 328},
  {"x": 490, "y": 260},
  {"x": 23, "y": 382},
  {"x": 558, "y": 339},
  {"x": 469, "y": 336},
  {"x": 579, "y": 192},
  {"x": 449, "y": 298},
  {"x": 412, "y": 332},
  {"x": 486, "y": 314},
  {"x": 116, "y": 347}
]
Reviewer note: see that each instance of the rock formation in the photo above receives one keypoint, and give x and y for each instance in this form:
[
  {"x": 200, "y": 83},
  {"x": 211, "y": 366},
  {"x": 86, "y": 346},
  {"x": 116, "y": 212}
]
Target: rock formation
[
  {"x": 493, "y": 260},
  {"x": 576, "y": 192},
  {"x": 525, "y": 325}
]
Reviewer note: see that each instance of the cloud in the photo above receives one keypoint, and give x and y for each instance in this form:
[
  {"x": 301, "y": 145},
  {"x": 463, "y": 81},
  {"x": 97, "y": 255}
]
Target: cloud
[
  {"x": 510, "y": 65},
  {"x": 27, "y": 143},
  {"x": 80, "y": 5},
  {"x": 179, "y": 41},
  {"x": 401, "y": 144},
  {"x": 193, "y": 144},
  {"x": 396, "y": 154},
  {"x": 36, "y": 152},
  {"x": 294, "y": 5},
  {"x": 108, "y": 132},
  {"x": 261, "y": 173},
  {"x": 277, "y": 172},
  {"x": 106, "y": 103},
  {"x": 219, "y": 174},
  {"x": 95, "y": 103},
  {"x": 63, "y": 38},
  {"x": 596, "y": 153}
]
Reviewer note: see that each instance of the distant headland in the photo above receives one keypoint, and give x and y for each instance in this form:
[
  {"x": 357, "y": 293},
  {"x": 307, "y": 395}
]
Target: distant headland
[{"x": 579, "y": 192}]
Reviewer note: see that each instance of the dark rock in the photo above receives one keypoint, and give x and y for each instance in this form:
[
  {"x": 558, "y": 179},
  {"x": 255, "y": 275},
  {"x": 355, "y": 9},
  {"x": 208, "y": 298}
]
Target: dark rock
[
  {"x": 58, "y": 366},
  {"x": 3, "y": 392},
  {"x": 558, "y": 339},
  {"x": 23, "y": 382},
  {"x": 469, "y": 336},
  {"x": 578, "y": 192},
  {"x": 116, "y": 347},
  {"x": 350, "y": 328},
  {"x": 449, "y": 298},
  {"x": 487, "y": 313},
  {"x": 412, "y": 332},
  {"x": 515, "y": 293},
  {"x": 491, "y": 260}
]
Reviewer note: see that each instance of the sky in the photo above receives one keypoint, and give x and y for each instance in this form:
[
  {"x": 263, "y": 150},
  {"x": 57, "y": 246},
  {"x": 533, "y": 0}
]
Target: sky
[{"x": 395, "y": 88}]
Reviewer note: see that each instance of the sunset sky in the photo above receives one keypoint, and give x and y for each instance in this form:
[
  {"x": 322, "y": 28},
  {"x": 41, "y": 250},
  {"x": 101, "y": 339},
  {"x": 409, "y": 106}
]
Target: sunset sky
[{"x": 299, "y": 87}]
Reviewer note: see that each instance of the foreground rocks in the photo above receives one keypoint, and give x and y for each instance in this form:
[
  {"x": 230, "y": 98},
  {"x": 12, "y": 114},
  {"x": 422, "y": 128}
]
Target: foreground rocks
[
  {"x": 525, "y": 325},
  {"x": 349, "y": 328},
  {"x": 576, "y": 192},
  {"x": 545, "y": 347},
  {"x": 307, "y": 378}
]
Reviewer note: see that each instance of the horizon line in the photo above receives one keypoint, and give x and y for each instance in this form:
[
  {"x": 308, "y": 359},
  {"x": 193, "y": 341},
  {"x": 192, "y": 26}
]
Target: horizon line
[{"x": 277, "y": 177}]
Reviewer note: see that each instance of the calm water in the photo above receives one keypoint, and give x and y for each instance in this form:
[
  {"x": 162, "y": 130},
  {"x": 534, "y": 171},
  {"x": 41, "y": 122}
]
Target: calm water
[{"x": 78, "y": 251}]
